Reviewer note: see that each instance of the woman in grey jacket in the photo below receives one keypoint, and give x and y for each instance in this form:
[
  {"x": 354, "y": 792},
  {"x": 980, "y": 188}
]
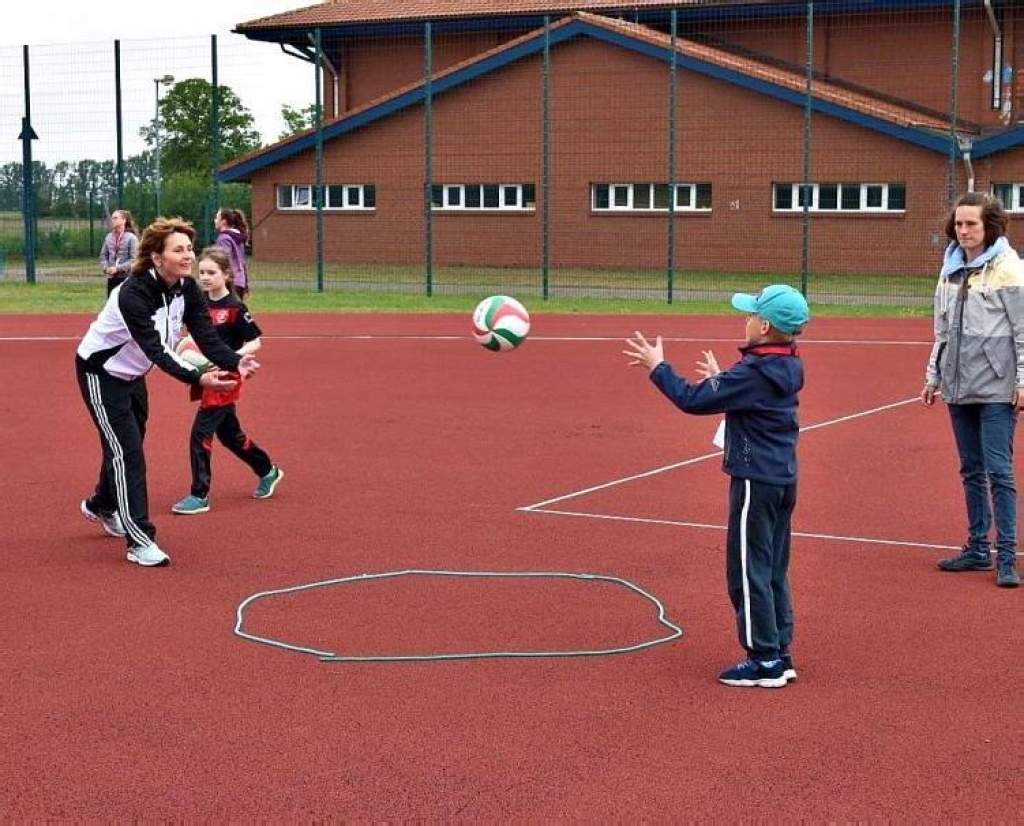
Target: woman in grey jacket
[
  {"x": 119, "y": 248},
  {"x": 977, "y": 366}
]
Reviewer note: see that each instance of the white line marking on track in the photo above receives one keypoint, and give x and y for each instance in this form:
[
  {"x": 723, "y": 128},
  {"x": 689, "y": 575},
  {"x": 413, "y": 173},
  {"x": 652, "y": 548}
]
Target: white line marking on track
[
  {"x": 541, "y": 507},
  {"x": 705, "y": 526},
  {"x": 706, "y": 456},
  {"x": 534, "y": 338},
  {"x": 862, "y": 413}
]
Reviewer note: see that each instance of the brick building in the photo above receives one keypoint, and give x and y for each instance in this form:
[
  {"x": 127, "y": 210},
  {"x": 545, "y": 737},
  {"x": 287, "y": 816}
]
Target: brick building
[{"x": 625, "y": 136}]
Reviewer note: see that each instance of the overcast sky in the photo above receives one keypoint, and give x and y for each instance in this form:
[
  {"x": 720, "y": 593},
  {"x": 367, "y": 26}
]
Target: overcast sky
[{"x": 71, "y": 69}]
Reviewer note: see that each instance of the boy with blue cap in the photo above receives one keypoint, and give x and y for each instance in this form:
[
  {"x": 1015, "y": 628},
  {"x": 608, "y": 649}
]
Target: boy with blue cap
[{"x": 758, "y": 396}]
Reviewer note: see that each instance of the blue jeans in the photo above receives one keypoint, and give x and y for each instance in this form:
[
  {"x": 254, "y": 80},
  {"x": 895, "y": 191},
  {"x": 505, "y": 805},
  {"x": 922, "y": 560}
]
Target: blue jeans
[{"x": 984, "y": 438}]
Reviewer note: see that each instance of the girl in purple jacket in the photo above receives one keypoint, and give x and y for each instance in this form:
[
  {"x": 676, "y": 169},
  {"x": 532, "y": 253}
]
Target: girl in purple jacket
[{"x": 232, "y": 235}]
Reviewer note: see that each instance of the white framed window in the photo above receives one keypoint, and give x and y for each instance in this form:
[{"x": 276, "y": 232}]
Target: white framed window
[
  {"x": 650, "y": 197},
  {"x": 839, "y": 197},
  {"x": 353, "y": 197},
  {"x": 1010, "y": 195},
  {"x": 480, "y": 197}
]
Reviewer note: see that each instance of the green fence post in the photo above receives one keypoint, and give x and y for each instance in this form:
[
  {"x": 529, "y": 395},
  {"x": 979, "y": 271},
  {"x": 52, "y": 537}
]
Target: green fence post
[
  {"x": 805, "y": 252},
  {"x": 954, "y": 105},
  {"x": 318, "y": 189},
  {"x": 27, "y": 187},
  {"x": 93, "y": 249},
  {"x": 545, "y": 226},
  {"x": 119, "y": 125},
  {"x": 428, "y": 153},
  {"x": 215, "y": 121},
  {"x": 673, "y": 92}
]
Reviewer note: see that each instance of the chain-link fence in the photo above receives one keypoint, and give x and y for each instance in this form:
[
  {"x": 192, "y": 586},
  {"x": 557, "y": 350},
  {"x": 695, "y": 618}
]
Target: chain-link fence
[{"x": 668, "y": 155}]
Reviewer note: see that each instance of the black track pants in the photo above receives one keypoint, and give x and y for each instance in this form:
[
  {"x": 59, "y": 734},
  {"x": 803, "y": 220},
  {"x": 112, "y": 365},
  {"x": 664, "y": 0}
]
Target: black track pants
[
  {"x": 223, "y": 423},
  {"x": 757, "y": 565},
  {"x": 119, "y": 409}
]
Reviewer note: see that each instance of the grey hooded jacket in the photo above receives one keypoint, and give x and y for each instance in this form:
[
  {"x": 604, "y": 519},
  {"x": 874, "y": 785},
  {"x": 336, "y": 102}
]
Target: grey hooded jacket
[{"x": 978, "y": 355}]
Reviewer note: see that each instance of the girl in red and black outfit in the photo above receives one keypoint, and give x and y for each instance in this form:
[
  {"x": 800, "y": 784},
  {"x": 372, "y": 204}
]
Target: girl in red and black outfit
[{"x": 217, "y": 415}]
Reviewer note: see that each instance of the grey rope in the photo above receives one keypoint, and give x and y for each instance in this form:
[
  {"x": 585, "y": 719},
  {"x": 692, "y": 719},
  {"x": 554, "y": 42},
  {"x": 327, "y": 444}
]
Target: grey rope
[{"x": 327, "y": 656}]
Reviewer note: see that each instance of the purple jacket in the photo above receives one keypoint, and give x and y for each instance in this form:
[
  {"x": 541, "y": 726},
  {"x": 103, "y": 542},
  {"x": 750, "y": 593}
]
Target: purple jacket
[{"x": 233, "y": 241}]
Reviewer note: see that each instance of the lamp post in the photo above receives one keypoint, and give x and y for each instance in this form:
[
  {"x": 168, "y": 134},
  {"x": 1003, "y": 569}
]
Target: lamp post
[{"x": 166, "y": 80}]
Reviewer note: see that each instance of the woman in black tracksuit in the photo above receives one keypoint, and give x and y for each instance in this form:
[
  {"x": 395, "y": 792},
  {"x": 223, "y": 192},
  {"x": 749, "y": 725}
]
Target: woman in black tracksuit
[{"x": 139, "y": 327}]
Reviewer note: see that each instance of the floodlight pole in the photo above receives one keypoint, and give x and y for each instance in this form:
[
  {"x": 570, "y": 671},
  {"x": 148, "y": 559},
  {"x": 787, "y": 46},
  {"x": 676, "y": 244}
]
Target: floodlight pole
[{"x": 166, "y": 80}]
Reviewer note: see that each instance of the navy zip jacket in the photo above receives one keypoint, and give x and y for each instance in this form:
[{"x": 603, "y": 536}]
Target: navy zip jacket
[{"x": 758, "y": 396}]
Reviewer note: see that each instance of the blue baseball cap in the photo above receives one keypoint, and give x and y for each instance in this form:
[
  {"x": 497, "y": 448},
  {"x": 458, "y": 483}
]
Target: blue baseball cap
[{"x": 780, "y": 305}]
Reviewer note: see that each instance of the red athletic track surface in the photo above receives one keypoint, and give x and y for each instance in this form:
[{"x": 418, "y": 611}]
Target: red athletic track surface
[{"x": 126, "y": 694}]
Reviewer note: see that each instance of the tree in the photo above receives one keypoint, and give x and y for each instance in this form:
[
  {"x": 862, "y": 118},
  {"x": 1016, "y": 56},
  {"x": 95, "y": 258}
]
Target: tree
[
  {"x": 186, "y": 128},
  {"x": 10, "y": 187},
  {"x": 297, "y": 120}
]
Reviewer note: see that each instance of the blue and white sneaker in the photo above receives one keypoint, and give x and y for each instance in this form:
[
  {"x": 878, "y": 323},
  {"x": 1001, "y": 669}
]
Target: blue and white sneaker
[
  {"x": 111, "y": 523},
  {"x": 788, "y": 669},
  {"x": 265, "y": 489},
  {"x": 755, "y": 674}
]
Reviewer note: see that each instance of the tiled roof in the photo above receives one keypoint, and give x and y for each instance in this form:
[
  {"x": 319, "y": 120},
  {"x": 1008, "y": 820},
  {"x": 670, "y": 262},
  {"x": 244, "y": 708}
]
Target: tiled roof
[
  {"x": 349, "y": 12},
  {"x": 738, "y": 69}
]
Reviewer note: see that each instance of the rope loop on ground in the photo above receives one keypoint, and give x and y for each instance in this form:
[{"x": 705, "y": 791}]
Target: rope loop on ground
[{"x": 675, "y": 632}]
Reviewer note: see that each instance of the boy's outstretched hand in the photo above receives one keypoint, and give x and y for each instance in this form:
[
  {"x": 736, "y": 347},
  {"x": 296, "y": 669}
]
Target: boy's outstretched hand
[
  {"x": 642, "y": 352},
  {"x": 709, "y": 367}
]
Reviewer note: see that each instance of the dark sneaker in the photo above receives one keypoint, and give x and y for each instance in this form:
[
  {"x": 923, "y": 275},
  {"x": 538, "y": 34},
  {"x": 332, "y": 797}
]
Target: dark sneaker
[
  {"x": 755, "y": 674},
  {"x": 1007, "y": 576},
  {"x": 265, "y": 489},
  {"x": 111, "y": 523},
  {"x": 191, "y": 504},
  {"x": 788, "y": 669},
  {"x": 969, "y": 560},
  {"x": 149, "y": 556}
]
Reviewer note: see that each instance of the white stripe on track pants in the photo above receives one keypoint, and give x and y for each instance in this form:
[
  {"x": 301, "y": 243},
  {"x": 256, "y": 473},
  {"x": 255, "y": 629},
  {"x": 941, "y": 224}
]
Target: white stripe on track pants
[
  {"x": 757, "y": 565},
  {"x": 120, "y": 409}
]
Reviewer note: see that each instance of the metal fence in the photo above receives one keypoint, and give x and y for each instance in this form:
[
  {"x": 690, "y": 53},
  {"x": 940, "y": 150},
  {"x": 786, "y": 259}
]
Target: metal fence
[{"x": 668, "y": 157}]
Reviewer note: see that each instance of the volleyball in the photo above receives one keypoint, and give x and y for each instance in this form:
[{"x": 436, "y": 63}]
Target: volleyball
[{"x": 500, "y": 323}]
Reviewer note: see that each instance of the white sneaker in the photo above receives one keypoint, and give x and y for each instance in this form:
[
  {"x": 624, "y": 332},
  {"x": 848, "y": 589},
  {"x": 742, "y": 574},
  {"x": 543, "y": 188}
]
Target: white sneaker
[
  {"x": 111, "y": 524},
  {"x": 148, "y": 555}
]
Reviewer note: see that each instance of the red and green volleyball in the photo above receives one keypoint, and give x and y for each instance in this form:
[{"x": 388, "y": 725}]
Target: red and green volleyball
[{"x": 500, "y": 323}]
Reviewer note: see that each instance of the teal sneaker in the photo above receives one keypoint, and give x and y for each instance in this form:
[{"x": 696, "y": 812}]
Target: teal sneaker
[
  {"x": 268, "y": 484},
  {"x": 191, "y": 504}
]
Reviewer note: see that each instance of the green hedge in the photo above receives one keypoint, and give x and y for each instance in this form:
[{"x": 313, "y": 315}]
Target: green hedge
[{"x": 189, "y": 196}]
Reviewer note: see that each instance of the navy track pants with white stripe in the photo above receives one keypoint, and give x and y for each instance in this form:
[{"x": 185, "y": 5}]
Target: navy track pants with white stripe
[
  {"x": 119, "y": 409},
  {"x": 757, "y": 565}
]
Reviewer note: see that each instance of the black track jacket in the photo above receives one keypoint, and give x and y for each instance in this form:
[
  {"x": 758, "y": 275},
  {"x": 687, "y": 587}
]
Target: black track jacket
[{"x": 141, "y": 324}]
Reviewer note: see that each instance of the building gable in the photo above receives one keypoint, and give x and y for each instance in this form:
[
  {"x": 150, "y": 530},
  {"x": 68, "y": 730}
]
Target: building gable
[{"x": 826, "y": 99}]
